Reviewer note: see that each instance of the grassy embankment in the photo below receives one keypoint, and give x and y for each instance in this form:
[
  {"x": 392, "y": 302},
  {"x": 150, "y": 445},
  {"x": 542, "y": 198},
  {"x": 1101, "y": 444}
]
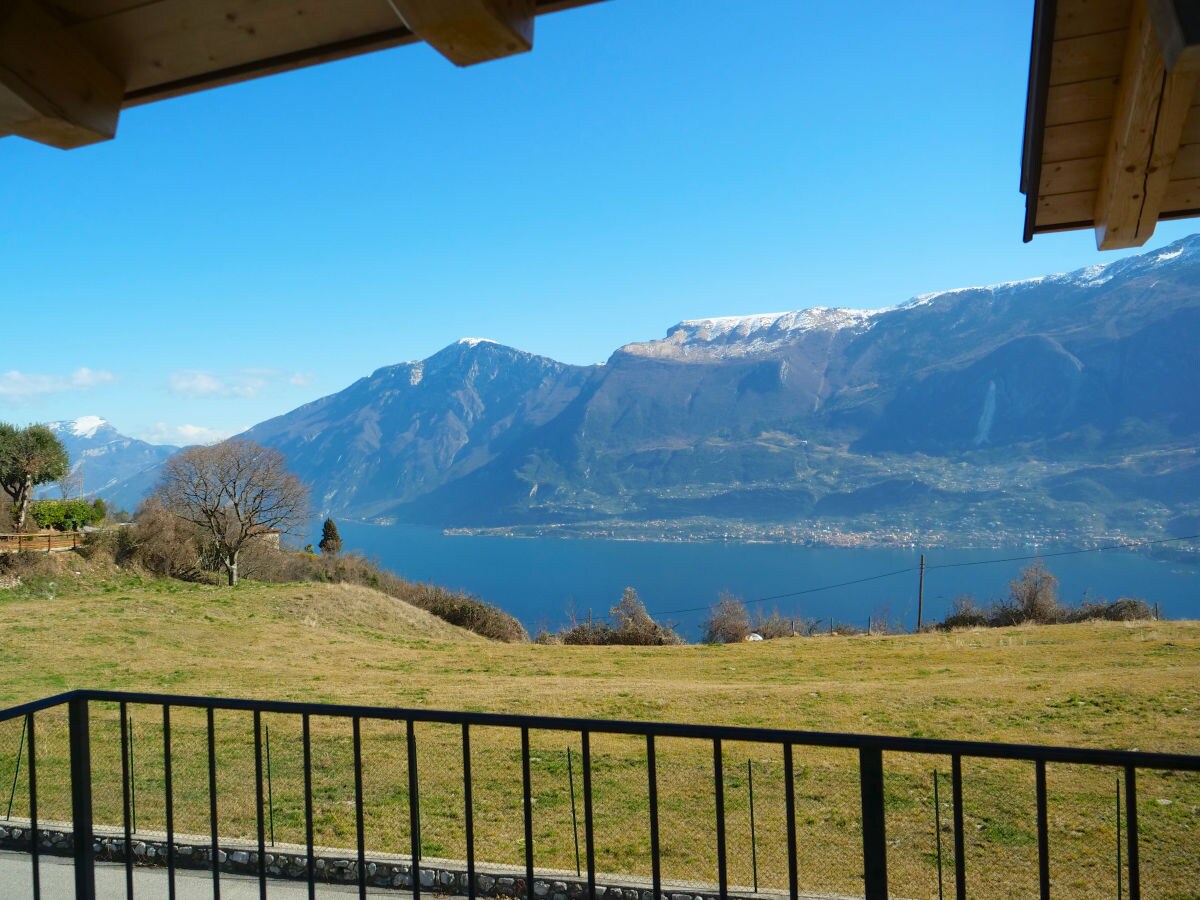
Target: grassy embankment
[{"x": 1097, "y": 684}]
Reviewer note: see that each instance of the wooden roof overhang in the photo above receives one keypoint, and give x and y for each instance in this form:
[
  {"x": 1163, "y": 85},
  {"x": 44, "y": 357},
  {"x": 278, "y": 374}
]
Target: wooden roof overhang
[
  {"x": 68, "y": 67},
  {"x": 1112, "y": 125}
]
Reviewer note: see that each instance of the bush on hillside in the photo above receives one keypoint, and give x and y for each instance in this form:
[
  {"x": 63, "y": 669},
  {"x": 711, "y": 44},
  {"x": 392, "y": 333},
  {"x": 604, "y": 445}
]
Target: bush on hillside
[
  {"x": 589, "y": 632},
  {"x": 164, "y": 544},
  {"x": 631, "y": 626},
  {"x": 729, "y": 622},
  {"x": 964, "y": 613},
  {"x": 775, "y": 626},
  {"x": 634, "y": 626},
  {"x": 1033, "y": 598},
  {"x": 1123, "y": 609},
  {"x": 66, "y": 515}
]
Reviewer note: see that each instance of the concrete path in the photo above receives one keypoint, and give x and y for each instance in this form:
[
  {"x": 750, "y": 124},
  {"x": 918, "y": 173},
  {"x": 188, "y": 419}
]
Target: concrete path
[{"x": 58, "y": 883}]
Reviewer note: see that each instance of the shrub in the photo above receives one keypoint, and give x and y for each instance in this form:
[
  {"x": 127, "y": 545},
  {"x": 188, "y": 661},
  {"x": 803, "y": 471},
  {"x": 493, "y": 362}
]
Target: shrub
[
  {"x": 631, "y": 626},
  {"x": 117, "y": 545},
  {"x": 1124, "y": 609},
  {"x": 164, "y": 544},
  {"x": 634, "y": 626},
  {"x": 964, "y": 613},
  {"x": 1034, "y": 596},
  {"x": 590, "y": 632},
  {"x": 729, "y": 622},
  {"x": 463, "y": 610},
  {"x": 772, "y": 626},
  {"x": 66, "y": 515}
]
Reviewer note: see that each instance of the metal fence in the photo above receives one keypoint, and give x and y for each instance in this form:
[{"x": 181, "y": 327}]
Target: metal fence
[{"x": 729, "y": 810}]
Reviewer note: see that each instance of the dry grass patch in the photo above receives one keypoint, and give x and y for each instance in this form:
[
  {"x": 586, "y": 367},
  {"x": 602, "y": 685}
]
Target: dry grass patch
[{"x": 1092, "y": 684}]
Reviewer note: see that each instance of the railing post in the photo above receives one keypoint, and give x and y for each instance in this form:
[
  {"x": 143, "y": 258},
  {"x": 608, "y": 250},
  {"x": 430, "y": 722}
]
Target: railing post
[
  {"x": 870, "y": 769},
  {"x": 81, "y": 797},
  {"x": 1131, "y": 833},
  {"x": 1043, "y": 827}
]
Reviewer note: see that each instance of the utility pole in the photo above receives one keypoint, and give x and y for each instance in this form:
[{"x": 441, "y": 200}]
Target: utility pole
[{"x": 921, "y": 593}]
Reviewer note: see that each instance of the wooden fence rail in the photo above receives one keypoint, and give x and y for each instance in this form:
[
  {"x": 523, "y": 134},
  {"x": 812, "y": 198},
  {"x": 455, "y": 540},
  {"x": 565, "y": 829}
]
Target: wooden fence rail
[{"x": 46, "y": 542}]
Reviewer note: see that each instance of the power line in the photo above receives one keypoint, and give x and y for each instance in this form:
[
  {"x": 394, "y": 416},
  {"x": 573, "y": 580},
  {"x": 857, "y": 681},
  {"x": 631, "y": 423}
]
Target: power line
[
  {"x": 975, "y": 562},
  {"x": 1128, "y": 546},
  {"x": 812, "y": 590}
]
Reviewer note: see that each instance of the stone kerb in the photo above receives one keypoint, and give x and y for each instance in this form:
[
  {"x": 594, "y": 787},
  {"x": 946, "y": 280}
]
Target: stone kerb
[{"x": 334, "y": 866}]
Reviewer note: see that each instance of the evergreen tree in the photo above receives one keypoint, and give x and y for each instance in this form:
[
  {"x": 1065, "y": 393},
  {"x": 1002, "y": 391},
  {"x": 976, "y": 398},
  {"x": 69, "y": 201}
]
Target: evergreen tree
[
  {"x": 331, "y": 541},
  {"x": 28, "y": 457}
]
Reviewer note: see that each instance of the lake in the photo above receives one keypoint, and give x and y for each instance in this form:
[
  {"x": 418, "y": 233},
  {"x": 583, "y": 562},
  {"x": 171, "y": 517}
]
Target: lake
[{"x": 540, "y": 580}]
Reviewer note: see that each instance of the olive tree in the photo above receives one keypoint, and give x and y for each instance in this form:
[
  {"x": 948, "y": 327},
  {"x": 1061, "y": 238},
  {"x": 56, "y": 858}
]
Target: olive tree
[
  {"x": 28, "y": 457},
  {"x": 235, "y": 492}
]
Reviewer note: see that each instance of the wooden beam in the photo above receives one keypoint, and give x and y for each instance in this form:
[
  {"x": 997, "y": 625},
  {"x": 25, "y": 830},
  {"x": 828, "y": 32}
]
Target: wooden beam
[
  {"x": 52, "y": 89},
  {"x": 1177, "y": 24},
  {"x": 467, "y": 32},
  {"x": 1147, "y": 125}
]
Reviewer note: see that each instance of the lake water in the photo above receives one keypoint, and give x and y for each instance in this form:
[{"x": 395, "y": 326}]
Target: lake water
[{"x": 539, "y": 580}]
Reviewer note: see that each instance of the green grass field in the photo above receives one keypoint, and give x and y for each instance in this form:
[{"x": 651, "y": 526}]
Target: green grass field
[{"x": 1094, "y": 685}]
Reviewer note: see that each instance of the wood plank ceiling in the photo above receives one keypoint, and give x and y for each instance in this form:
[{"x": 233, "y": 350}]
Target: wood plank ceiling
[
  {"x": 1112, "y": 135},
  {"x": 67, "y": 67}
]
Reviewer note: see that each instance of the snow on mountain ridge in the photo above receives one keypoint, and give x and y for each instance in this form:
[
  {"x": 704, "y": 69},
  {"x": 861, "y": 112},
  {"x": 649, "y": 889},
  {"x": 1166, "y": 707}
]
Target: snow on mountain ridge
[
  {"x": 81, "y": 427},
  {"x": 87, "y": 426},
  {"x": 1094, "y": 275},
  {"x": 730, "y": 336}
]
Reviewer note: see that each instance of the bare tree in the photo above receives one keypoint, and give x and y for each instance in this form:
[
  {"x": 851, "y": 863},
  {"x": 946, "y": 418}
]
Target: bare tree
[
  {"x": 1034, "y": 594},
  {"x": 236, "y": 492},
  {"x": 729, "y": 622}
]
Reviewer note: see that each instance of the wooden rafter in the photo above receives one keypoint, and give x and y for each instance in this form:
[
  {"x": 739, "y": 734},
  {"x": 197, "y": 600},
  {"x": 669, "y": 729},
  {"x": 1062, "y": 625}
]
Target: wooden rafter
[
  {"x": 1112, "y": 129},
  {"x": 1152, "y": 105},
  {"x": 52, "y": 88},
  {"x": 467, "y": 32}
]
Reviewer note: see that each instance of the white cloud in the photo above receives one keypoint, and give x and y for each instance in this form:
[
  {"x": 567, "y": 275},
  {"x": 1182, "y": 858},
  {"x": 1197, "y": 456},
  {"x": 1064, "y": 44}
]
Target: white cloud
[
  {"x": 245, "y": 383},
  {"x": 186, "y": 434},
  {"x": 19, "y": 387},
  {"x": 89, "y": 378},
  {"x": 192, "y": 383}
]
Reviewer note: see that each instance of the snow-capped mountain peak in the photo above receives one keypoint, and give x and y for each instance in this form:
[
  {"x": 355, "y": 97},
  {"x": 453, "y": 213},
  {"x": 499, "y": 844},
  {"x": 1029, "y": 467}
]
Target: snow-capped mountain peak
[
  {"x": 84, "y": 427},
  {"x": 87, "y": 426}
]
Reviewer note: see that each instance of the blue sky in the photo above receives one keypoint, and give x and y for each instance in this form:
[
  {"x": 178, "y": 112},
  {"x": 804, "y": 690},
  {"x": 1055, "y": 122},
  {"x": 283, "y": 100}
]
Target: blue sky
[{"x": 236, "y": 253}]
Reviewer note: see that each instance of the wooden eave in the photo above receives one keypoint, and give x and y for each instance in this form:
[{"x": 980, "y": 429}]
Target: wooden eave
[
  {"x": 1112, "y": 129},
  {"x": 60, "y": 58}
]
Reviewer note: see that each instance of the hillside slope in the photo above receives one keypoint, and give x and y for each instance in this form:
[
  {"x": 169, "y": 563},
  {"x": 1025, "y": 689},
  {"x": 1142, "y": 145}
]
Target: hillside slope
[{"x": 140, "y": 633}]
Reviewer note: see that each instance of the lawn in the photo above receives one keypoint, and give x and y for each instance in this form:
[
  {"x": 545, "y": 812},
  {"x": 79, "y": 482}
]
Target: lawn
[{"x": 1096, "y": 685}]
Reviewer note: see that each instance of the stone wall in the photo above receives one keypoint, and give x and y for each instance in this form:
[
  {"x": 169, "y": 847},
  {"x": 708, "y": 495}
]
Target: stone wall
[{"x": 340, "y": 867}]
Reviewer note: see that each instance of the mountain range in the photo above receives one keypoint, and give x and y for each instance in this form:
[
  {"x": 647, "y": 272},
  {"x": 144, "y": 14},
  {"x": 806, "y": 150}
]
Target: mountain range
[
  {"x": 106, "y": 463},
  {"x": 1062, "y": 406}
]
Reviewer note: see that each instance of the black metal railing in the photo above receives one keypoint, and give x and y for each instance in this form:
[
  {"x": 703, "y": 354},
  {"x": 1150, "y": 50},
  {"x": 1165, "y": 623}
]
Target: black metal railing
[{"x": 80, "y": 706}]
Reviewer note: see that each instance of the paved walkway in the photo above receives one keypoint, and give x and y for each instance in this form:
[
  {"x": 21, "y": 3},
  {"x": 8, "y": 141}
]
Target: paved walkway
[{"x": 58, "y": 881}]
